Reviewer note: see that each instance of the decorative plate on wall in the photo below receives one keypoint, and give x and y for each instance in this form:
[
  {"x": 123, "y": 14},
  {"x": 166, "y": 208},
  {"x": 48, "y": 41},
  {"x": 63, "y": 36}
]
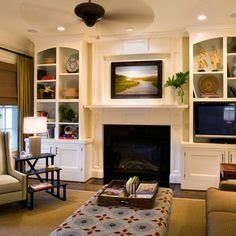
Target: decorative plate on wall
[{"x": 208, "y": 84}]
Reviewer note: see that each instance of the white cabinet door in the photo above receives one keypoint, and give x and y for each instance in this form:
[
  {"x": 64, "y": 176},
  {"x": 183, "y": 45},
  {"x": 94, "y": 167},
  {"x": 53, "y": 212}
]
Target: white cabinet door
[
  {"x": 201, "y": 168},
  {"x": 69, "y": 158}
]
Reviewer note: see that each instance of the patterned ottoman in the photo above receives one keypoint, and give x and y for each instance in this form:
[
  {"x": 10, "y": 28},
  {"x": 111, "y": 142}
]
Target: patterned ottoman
[{"x": 91, "y": 219}]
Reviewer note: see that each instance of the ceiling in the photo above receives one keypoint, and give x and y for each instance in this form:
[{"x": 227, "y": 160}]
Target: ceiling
[{"x": 148, "y": 16}]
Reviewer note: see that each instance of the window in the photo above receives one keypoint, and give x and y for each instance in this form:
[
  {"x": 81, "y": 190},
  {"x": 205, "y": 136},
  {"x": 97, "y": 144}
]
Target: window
[{"x": 9, "y": 122}]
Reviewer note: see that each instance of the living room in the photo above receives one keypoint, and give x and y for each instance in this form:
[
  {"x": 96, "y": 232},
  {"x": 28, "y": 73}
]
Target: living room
[{"x": 75, "y": 71}]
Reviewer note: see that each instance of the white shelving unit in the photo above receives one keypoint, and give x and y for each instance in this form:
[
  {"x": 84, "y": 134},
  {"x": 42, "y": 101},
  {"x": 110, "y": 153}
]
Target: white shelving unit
[
  {"x": 60, "y": 92},
  {"x": 201, "y": 159}
]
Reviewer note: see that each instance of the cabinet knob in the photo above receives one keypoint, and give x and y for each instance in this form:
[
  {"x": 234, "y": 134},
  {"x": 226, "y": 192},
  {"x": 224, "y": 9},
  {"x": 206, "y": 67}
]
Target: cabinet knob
[{"x": 56, "y": 150}]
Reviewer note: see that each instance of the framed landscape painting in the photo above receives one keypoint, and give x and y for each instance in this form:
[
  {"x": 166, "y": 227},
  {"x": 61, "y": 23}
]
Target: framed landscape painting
[{"x": 136, "y": 79}]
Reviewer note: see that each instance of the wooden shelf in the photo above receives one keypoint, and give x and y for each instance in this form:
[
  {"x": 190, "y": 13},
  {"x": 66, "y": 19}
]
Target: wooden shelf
[{"x": 42, "y": 171}]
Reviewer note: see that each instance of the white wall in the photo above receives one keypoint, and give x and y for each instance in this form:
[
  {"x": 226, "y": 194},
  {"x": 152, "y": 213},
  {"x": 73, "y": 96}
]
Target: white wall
[
  {"x": 167, "y": 49},
  {"x": 13, "y": 42}
]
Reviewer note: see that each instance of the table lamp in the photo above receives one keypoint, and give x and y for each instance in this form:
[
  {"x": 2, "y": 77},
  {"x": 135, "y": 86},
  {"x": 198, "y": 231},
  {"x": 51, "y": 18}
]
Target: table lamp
[{"x": 35, "y": 125}]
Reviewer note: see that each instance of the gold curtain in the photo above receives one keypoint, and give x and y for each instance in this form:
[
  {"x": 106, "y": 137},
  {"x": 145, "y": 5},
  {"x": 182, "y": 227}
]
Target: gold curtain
[{"x": 25, "y": 89}]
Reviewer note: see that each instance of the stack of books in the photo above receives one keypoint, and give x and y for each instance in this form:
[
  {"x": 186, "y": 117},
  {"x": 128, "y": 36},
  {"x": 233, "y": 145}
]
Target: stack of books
[{"x": 131, "y": 185}]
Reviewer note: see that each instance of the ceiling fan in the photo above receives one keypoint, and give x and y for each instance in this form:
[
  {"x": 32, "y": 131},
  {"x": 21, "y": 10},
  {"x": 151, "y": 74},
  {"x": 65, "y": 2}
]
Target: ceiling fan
[{"x": 89, "y": 12}]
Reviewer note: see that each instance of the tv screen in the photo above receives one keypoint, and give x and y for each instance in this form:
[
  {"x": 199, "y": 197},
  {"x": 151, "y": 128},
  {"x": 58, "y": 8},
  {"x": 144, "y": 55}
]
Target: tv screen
[{"x": 217, "y": 120}]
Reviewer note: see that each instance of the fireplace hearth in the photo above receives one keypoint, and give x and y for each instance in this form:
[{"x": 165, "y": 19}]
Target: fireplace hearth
[{"x": 141, "y": 150}]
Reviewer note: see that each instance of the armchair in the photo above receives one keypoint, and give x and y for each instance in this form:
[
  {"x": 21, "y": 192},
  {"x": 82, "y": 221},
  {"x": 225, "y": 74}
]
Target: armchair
[{"x": 13, "y": 185}]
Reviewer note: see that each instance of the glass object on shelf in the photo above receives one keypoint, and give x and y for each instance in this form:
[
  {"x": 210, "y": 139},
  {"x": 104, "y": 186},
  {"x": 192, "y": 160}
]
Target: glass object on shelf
[
  {"x": 68, "y": 132},
  {"x": 69, "y": 87},
  {"x": 231, "y": 45},
  {"x": 46, "y": 73},
  {"x": 68, "y": 112},
  {"x": 46, "y": 90},
  {"x": 47, "y": 56},
  {"x": 51, "y": 131}
]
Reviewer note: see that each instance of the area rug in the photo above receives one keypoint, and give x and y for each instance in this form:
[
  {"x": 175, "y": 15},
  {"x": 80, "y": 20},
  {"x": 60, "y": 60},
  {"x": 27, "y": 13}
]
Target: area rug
[
  {"x": 187, "y": 218},
  {"x": 47, "y": 214}
]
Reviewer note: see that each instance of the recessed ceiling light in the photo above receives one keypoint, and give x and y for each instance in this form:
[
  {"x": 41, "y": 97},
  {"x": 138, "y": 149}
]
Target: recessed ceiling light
[
  {"x": 60, "y": 28},
  {"x": 32, "y": 30},
  {"x": 129, "y": 29},
  {"x": 202, "y": 17}
]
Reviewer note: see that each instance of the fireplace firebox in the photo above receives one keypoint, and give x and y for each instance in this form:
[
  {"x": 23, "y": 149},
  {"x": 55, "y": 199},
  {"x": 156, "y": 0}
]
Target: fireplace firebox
[{"x": 141, "y": 150}]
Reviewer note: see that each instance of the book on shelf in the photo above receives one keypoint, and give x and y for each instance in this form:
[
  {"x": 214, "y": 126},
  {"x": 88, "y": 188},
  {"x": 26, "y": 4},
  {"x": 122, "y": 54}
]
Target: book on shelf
[{"x": 233, "y": 91}]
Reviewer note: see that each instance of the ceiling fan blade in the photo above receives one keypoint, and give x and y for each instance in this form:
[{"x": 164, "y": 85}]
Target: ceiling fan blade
[{"x": 129, "y": 18}]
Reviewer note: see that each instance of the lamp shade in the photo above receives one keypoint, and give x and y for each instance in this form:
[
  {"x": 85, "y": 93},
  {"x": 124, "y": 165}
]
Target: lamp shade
[{"x": 35, "y": 125}]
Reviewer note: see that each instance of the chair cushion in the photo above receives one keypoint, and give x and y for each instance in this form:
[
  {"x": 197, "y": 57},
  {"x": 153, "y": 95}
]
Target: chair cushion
[
  {"x": 221, "y": 223},
  {"x": 218, "y": 200},
  {"x": 9, "y": 184}
]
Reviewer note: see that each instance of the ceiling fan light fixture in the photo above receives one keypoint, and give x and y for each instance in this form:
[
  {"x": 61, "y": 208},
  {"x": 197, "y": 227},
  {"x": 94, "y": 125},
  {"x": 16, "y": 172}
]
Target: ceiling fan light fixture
[
  {"x": 61, "y": 28},
  {"x": 129, "y": 29},
  {"x": 89, "y": 12}
]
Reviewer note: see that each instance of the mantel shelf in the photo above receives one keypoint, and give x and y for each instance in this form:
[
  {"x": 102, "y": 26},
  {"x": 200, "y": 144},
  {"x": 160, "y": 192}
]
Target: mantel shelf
[{"x": 162, "y": 106}]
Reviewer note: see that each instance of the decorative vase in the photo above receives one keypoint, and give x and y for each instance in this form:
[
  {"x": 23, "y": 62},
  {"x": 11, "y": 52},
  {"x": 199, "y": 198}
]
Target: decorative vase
[
  {"x": 180, "y": 95},
  {"x": 177, "y": 96}
]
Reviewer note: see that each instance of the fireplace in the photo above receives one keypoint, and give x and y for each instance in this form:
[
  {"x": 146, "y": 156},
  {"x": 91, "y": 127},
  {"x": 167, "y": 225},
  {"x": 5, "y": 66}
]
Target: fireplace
[{"x": 141, "y": 150}]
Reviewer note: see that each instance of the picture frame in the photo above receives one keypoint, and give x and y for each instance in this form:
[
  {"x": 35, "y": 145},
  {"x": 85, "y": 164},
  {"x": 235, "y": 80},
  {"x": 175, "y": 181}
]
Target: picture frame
[{"x": 136, "y": 79}]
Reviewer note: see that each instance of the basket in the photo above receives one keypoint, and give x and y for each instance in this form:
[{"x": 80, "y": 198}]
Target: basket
[
  {"x": 70, "y": 93},
  {"x": 144, "y": 203}
]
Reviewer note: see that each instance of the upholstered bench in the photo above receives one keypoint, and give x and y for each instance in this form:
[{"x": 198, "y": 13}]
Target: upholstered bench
[{"x": 92, "y": 219}]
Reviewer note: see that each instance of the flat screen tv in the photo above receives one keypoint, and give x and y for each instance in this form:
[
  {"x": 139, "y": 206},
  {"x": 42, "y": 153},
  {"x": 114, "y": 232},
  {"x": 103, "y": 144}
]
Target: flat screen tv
[{"x": 215, "y": 120}]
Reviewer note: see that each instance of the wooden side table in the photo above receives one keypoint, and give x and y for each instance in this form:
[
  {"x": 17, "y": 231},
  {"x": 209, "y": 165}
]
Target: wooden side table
[
  {"x": 227, "y": 171},
  {"x": 51, "y": 184}
]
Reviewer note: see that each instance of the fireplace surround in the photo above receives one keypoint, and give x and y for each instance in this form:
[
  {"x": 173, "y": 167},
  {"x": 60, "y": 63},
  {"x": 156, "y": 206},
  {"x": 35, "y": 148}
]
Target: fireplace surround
[{"x": 141, "y": 150}]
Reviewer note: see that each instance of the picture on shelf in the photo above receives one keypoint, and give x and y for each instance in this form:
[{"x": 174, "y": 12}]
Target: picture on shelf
[{"x": 136, "y": 79}]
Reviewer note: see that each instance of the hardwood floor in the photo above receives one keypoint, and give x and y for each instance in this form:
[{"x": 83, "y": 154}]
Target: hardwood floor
[{"x": 95, "y": 184}]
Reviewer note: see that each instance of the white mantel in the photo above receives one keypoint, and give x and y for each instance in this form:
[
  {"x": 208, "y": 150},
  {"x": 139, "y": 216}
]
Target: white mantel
[
  {"x": 138, "y": 116},
  {"x": 171, "y": 106}
]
